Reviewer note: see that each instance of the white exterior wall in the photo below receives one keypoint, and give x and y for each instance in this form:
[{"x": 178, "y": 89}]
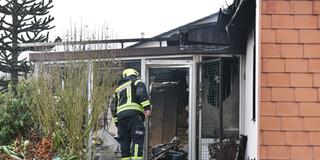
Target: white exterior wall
[
  {"x": 248, "y": 126},
  {"x": 152, "y": 44}
]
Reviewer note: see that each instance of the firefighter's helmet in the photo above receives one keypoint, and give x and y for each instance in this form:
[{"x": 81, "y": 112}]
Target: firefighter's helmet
[{"x": 130, "y": 72}]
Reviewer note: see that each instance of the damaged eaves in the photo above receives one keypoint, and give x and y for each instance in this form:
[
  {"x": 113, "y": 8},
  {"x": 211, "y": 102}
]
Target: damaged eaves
[
  {"x": 174, "y": 34},
  {"x": 231, "y": 27},
  {"x": 205, "y": 34},
  {"x": 242, "y": 21}
]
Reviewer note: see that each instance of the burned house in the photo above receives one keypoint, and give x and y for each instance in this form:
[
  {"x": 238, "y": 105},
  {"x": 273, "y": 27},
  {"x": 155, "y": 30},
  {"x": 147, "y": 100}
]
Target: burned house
[{"x": 201, "y": 77}]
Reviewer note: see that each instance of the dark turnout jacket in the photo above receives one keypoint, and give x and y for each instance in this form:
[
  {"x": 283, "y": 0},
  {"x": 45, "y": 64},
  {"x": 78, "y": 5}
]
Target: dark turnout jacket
[{"x": 129, "y": 99}]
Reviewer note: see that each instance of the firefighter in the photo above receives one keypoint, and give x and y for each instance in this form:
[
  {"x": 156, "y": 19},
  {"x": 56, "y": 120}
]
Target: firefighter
[{"x": 130, "y": 107}]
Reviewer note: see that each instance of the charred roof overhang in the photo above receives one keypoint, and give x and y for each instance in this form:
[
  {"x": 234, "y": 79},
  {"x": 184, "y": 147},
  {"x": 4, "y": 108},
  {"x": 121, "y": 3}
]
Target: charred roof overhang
[
  {"x": 231, "y": 28},
  {"x": 133, "y": 52},
  {"x": 242, "y": 21},
  {"x": 202, "y": 34}
]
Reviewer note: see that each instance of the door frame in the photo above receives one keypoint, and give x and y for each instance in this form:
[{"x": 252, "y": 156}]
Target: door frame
[{"x": 147, "y": 64}]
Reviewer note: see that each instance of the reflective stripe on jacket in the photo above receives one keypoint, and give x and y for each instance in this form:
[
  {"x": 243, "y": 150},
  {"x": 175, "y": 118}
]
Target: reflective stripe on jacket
[{"x": 131, "y": 94}]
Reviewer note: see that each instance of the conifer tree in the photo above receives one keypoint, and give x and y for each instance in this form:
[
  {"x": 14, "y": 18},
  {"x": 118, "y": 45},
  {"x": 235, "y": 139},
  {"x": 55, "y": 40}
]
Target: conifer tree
[{"x": 21, "y": 21}]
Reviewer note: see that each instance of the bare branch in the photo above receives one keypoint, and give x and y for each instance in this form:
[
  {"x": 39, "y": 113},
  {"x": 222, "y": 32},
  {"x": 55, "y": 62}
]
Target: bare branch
[
  {"x": 5, "y": 28},
  {"x": 5, "y": 68},
  {"x": 5, "y": 8},
  {"x": 6, "y": 23}
]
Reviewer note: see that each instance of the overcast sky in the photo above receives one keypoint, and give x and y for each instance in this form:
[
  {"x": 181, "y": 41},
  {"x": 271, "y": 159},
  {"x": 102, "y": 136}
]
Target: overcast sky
[{"x": 128, "y": 18}]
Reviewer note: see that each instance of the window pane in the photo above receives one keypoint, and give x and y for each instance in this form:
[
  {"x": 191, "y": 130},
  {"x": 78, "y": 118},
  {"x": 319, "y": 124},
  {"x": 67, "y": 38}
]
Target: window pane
[
  {"x": 210, "y": 100},
  {"x": 230, "y": 99}
]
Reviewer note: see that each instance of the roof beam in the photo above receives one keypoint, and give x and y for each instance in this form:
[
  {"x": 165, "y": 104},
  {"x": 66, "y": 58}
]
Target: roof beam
[{"x": 133, "y": 52}]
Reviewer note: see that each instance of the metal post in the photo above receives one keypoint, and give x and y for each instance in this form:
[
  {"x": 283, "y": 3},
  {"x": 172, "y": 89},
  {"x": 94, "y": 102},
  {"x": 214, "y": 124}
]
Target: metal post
[
  {"x": 36, "y": 69},
  {"x": 145, "y": 79},
  {"x": 192, "y": 108},
  {"x": 199, "y": 106},
  {"x": 221, "y": 96},
  {"x": 90, "y": 89}
]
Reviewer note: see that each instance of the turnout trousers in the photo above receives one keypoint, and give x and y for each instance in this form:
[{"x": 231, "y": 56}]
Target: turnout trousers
[{"x": 131, "y": 133}]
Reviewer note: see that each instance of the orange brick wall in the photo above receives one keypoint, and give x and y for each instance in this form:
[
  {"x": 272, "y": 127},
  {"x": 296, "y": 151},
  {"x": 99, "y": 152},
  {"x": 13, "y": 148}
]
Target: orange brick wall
[{"x": 290, "y": 80}]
